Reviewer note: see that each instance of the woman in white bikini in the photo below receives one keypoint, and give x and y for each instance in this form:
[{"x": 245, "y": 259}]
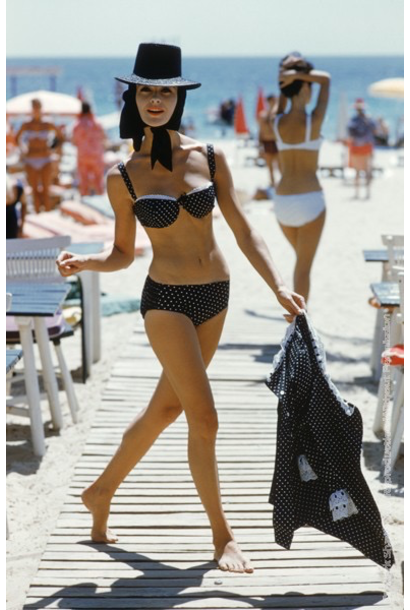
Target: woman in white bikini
[
  {"x": 37, "y": 136},
  {"x": 299, "y": 201}
]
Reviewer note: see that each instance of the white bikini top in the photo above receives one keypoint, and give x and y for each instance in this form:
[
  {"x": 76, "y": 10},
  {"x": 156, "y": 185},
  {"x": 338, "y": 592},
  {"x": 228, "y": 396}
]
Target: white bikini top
[
  {"x": 41, "y": 134},
  {"x": 308, "y": 144}
]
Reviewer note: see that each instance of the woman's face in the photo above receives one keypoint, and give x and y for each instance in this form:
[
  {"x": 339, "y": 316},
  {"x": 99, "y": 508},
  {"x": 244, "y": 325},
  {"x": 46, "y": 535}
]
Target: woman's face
[
  {"x": 36, "y": 109},
  {"x": 156, "y": 105}
]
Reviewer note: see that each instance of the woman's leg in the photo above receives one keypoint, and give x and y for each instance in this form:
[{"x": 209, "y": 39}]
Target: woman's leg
[
  {"x": 304, "y": 240},
  {"x": 162, "y": 410},
  {"x": 33, "y": 178},
  {"x": 46, "y": 176},
  {"x": 307, "y": 244},
  {"x": 180, "y": 351}
]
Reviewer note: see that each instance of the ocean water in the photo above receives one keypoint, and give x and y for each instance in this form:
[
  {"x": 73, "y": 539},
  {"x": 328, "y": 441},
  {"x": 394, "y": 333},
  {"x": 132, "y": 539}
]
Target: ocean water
[{"x": 223, "y": 78}]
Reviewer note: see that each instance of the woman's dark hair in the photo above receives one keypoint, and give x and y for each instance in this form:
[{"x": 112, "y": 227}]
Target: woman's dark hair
[
  {"x": 294, "y": 61},
  {"x": 85, "y": 108}
]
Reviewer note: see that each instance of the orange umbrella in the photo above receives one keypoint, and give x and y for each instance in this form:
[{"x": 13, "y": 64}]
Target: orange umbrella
[
  {"x": 240, "y": 125},
  {"x": 260, "y": 104}
]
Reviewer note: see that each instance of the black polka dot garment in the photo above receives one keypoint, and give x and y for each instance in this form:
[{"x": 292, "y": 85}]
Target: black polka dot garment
[
  {"x": 160, "y": 211},
  {"x": 317, "y": 480},
  {"x": 199, "y": 302}
]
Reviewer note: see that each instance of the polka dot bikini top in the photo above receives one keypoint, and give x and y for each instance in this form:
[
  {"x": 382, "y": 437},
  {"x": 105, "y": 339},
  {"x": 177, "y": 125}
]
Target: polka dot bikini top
[{"x": 160, "y": 211}]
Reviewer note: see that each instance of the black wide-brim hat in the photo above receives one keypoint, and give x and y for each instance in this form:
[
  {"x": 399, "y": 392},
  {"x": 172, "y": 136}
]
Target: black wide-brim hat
[{"x": 158, "y": 65}]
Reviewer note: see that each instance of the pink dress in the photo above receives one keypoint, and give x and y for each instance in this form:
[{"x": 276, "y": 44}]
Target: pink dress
[{"x": 88, "y": 137}]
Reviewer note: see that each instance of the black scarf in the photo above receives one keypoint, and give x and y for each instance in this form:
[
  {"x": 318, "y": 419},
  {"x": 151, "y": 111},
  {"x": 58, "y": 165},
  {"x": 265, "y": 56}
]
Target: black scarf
[{"x": 132, "y": 126}]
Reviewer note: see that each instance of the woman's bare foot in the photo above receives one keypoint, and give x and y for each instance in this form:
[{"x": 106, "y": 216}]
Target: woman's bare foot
[
  {"x": 231, "y": 559},
  {"x": 98, "y": 504}
]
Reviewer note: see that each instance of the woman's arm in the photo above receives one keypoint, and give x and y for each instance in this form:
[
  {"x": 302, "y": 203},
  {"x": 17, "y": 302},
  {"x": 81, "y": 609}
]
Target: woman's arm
[
  {"x": 121, "y": 254},
  {"x": 20, "y": 132},
  {"x": 281, "y": 107},
  {"x": 249, "y": 240},
  {"x": 286, "y": 77}
]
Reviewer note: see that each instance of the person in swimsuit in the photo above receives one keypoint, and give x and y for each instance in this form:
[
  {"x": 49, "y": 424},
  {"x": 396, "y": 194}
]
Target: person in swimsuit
[
  {"x": 89, "y": 138},
  {"x": 361, "y": 129},
  {"x": 299, "y": 201},
  {"x": 267, "y": 137},
  {"x": 38, "y": 135},
  {"x": 169, "y": 183}
]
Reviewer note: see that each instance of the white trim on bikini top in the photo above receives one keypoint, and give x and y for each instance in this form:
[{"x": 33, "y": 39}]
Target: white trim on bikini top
[
  {"x": 159, "y": 196},
  {"x": 308, "y": 144}
]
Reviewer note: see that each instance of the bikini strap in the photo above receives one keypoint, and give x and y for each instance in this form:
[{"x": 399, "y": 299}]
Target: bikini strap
[
  {"x": 211, "y": 160},
  {"x": 127, "y": 180},
  {"x": 308, "y": 127}
]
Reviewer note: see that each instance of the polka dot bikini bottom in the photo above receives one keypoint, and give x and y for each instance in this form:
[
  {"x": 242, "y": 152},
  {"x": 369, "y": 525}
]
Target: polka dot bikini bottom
[{"x": 199, "y": 302}]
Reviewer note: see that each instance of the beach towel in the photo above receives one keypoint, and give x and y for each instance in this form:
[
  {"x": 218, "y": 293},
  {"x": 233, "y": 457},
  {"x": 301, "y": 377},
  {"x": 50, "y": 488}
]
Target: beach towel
[{"x": 317, "y": 480}]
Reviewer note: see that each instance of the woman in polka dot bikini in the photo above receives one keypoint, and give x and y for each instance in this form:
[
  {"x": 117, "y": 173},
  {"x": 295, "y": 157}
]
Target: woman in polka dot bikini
[{"x": 170, "y": 183}]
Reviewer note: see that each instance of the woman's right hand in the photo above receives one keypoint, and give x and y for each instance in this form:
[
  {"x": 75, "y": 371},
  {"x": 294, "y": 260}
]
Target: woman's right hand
[{"x": 69, "y": 264}]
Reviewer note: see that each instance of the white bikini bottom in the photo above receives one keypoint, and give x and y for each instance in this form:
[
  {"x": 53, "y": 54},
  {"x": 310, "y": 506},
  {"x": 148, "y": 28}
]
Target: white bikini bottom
[
  {"x": 37, "y": 162},
  {"x": 298, "y": 210}
]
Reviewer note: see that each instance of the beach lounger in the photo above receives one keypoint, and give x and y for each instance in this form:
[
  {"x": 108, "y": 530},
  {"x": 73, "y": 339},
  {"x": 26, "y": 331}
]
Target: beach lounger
[
  {"x": 56, "y": 224},
  {"x": 33, "y": 261},
  {"x": 82, "y": 213}
]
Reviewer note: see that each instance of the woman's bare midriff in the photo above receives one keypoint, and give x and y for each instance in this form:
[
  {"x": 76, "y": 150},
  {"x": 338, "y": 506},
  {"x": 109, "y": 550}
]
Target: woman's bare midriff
[{"x": 187, "y": 254}]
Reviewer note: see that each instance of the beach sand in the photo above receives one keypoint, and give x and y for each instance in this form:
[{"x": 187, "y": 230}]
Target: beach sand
[{"x": 338, "y": 308}]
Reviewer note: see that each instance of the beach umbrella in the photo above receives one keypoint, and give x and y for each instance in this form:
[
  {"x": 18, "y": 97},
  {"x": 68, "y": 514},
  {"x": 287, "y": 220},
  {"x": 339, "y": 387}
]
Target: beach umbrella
[
  {"x": 240, "y": 125},
  {"x": 52, "y": 103},
  {"x": 260, "y": 104},
  {"x": 388, "y": 87}
]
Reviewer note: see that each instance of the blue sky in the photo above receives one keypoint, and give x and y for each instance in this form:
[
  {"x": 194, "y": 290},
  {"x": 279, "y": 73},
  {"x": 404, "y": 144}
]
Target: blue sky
[{"x": 57, "y": 28}]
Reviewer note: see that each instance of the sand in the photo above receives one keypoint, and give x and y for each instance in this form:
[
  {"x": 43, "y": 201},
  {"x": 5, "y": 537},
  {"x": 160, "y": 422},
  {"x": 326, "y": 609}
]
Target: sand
[{"x": 339, "y": 310}]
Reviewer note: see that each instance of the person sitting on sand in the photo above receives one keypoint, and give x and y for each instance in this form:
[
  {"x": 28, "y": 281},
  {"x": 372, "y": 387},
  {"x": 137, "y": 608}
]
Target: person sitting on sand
[
  {"x": 299, "y": 201},
  {"x": 169, "y": 183}
]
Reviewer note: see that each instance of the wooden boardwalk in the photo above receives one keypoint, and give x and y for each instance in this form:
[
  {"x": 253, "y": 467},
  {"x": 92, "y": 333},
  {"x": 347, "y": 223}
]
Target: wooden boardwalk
[{"x": 164, "y": 557}]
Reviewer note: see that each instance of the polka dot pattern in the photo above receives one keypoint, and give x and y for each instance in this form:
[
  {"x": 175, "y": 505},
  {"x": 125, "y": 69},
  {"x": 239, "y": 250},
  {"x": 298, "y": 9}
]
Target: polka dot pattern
[
  {"x": 199, "y": 302},
  {"x": 319, "y": 434},
  {"x": 160, "y": 211}
]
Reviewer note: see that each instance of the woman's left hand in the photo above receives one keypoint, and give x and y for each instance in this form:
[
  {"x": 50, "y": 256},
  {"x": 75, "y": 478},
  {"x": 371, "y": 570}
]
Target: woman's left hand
[
  {"x": 286, "y": 77},
  {"x": 293, "y": 302}
]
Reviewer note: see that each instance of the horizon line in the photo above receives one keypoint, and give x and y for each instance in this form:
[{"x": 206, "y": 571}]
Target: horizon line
[{"x": 203, "y": 56}]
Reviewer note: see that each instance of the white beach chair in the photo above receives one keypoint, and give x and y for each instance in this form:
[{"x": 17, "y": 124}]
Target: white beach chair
[
  {"x": 397, "y": 418},
  {"x": 33, "y": 260},
  {"x": 394, "y": 245},
  {"x": 391, "y": 386}
]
